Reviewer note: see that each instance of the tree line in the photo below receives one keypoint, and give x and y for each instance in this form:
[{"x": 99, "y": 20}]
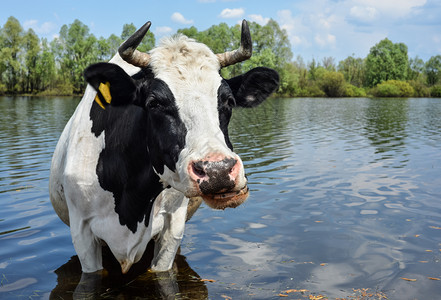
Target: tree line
[{"x": 33, "y": 65}]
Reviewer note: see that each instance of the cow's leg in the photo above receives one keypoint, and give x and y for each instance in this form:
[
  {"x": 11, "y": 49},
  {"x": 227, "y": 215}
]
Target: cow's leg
[
  {"x": 167, "y": 284},
  {"x": 168, "y": 240},
  {"x": 86, "y": 245},
  {"x": 193, "y": 205},
  {"x": 89, "y": 286}
]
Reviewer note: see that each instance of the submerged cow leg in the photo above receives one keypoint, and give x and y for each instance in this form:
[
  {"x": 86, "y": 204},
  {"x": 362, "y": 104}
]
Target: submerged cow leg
[
  {"x": 87, "y": 247},
  {"x": 171, "y": 215},
  {"x": 89, "y": 285}
]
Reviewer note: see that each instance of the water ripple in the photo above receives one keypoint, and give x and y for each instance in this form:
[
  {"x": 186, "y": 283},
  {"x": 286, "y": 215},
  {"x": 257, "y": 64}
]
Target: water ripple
[{"x": 344, "y": 194}]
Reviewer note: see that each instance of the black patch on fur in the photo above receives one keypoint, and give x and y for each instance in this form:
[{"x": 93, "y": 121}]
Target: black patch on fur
[
  {"x": 167, "y": 131},
  {"x": 141, "y": 132},
  {"x": 124, "y": 166},
  {"x": 225, "y": 104}
]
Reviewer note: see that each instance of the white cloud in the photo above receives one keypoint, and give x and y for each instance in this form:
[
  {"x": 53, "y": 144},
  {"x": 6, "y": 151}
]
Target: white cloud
[
  {"x": 162, "y": 30},
  {"x": 326, "y": 22},
  {"x": 364, "y": 13},
  {"x": 229, "y": 13},
  {"x": 179, "y": 18},
  {"x": 325, "y": 40},
  {"x": 391, "y": 8},
  {"x": 45, "y": 28},
  {"x": 351, "y": 27},
  {"x": 30, "y": 23},
  {"x": 259, "y": 19},
  {"x": 296, "y": 40}
]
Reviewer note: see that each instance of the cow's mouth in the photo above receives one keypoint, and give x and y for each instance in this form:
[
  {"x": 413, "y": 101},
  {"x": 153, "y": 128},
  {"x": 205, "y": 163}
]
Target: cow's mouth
[{"x": 228, "y": 199}]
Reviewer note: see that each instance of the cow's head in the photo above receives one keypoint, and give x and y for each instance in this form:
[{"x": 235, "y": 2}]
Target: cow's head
[{"x": 188, "y": 107}]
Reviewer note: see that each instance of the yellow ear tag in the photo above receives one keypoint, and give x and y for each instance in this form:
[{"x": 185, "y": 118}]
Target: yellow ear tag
[
  {"x": 97, "y": 100},
  {"x": 105, "y": 91}
]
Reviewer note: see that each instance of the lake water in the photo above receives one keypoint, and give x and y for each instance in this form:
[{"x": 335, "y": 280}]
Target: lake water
[{"x": 345, "y": 202}]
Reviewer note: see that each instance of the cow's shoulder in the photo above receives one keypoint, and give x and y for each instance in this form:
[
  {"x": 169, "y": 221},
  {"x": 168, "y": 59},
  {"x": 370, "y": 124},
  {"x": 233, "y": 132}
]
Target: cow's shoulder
[{"x": 124, "y": 166}]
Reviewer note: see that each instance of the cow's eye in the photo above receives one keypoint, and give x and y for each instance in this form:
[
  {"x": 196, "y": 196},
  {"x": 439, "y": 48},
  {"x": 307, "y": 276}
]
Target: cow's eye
[
  {"x": 231, "y": 101},
  {"x": 152, "y": 102},
  {"x": 228, "y": 100}
]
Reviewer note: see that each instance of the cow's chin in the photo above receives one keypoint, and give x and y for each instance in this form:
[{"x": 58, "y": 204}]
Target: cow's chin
[{"x": 225, "y": 200}]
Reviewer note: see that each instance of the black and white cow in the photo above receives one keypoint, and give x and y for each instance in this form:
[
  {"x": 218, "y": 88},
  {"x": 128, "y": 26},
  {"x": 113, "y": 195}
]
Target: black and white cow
[{"x": 151, "y": 132}]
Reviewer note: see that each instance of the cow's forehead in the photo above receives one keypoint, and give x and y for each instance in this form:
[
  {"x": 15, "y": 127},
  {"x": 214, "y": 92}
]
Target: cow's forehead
[
  {"x": 191, "y": 71},
  {"x": 186, "y": 66}
]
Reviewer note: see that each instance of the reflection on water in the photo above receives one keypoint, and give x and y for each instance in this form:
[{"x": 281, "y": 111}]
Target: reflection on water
[
  {"x": 181, "y": 282},
  {"x": 345, "y": 194},
  {"x": 386, "y": 126}
]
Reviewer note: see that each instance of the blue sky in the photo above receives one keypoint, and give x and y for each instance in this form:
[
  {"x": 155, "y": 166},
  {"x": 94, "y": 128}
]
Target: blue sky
[{"x": 316, "y": 28}]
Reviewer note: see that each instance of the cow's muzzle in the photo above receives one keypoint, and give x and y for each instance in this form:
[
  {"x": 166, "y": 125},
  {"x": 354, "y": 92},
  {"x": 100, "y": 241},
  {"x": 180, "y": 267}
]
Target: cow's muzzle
[{"x": 218, "y": 180}]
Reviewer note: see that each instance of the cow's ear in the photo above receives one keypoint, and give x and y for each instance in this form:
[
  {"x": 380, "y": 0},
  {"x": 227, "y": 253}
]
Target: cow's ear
[
  {"x": 253, "y": 87},
  {"x": 113, "y": 85}
]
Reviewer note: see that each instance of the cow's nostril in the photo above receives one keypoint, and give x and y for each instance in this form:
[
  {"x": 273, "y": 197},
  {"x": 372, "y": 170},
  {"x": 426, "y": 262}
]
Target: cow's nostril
[{"x": 198, "y": 169}]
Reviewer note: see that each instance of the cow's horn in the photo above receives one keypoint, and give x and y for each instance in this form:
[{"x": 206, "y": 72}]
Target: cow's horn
[
  {"x": 128, "y": 51},
  {"x": 243, "y": 53}
]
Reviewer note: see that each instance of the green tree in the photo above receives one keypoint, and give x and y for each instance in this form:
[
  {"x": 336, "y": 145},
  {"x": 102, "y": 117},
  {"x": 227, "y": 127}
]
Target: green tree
[
  {"x": 191, "y": 32},
  {"x": 293, "y": 80},
  {"x": 270, "y": 38},
  {"x": 127, "y": 31},
  {"x": 353, "y": 70},
  {"x": 435, "y": 91},
  {"x": 219, "y": 38},
  {"x": 333, "y": 84},
  {"x": 300, "y": 68},
  {"x": 12, "y": 38},
  {"x": 231, "y": 42},
  {"x": 2, "y": 64},
  {"x": 329, "y": 63},
  {"x": 433, "y": 70},
  {"x": 31, "y": 44},
  {"x": 386, "y": 61},
  {"x": 265, "y": 58},
  {"x": 77, "y": 49},
  {"x": 113, "y": 42},
  {"x": 416, "y": 68},
  {"x": 103, "y": 49},
  {"x": 45, "y": 68},
  {"x": 312, "y": 70},
  {"x": 394, "y": 88}
]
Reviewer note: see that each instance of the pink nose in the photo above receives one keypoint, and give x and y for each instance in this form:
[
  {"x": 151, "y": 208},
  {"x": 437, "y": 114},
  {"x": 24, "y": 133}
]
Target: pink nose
[{"x": 215, "y": 175}]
